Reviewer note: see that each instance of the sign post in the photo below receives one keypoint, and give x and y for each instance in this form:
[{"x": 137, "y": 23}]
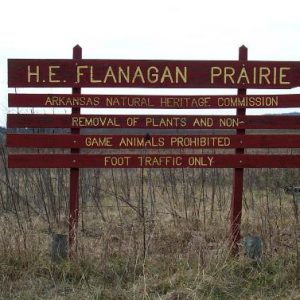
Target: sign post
[
  {"x": 74, "y": 175},
  {"x": 238, "y": 176}
]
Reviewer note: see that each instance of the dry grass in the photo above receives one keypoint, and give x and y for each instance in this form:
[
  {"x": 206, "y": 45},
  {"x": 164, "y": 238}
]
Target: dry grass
[
  {"x": 182, "y": 260},
  {"x": 186, "y": 234}
]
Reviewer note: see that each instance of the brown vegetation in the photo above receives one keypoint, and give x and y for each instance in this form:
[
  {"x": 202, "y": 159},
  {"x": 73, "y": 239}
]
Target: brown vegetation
[{"x": 147, "y": 234}]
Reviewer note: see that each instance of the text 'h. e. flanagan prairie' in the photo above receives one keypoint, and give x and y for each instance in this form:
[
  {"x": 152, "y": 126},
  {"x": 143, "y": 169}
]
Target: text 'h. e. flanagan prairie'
[{"x": 130, "y": 73}]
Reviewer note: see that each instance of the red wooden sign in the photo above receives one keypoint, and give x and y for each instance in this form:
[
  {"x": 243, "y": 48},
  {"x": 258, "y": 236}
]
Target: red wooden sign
[
  {"x": 77, "y": 73},
  {"x": 152, "y": 161},
  {"x": 151, "y": 101},
  {"x": 151, "y": 141},
  {"x": 152, "y": 73},
  {"x": 153, "y": 121}
]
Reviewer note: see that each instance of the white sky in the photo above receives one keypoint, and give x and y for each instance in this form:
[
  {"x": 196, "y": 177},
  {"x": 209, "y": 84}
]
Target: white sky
[{"x": 156, "y": 29}]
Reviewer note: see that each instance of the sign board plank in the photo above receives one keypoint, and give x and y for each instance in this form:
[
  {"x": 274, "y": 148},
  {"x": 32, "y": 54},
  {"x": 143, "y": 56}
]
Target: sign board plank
[
  {"x": 152, "y": 161},
  {"x": 151, "y": 141},
  {"x": 154, "y": 101},
  {"x": 153, "y": 121},
  {"x": 153, "y": 73}
]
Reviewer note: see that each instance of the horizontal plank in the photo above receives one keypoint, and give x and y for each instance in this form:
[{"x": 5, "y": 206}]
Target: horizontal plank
[
  {"x": 153, "y": 73},
  {"x": 151, "y": 141},
  {"x": 154, "y": 101},
  {"x": 152, "y": 121},
  {"x": 152, "y": 161}
]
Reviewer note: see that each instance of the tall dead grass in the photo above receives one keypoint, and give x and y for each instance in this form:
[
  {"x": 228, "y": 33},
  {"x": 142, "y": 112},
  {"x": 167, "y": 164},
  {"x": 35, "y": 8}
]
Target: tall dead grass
[{"x": 174, "y": 245}]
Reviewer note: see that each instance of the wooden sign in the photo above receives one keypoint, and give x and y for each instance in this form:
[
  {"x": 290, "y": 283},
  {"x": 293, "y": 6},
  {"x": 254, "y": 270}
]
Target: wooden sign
[
  {"x": 152, "y": 121},
  {"x": 151, "y": 141},
  {"x": 152, "y": 101},
  {"x": 78, "y": 73},
  {"x": 152, "y": 161},
  {"x": 152, "y": 73}
]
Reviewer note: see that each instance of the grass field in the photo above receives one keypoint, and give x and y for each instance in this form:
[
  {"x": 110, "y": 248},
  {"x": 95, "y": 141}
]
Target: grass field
[
  {"x": 181, "y": 262},
  {"x": 146, "y": 234}
]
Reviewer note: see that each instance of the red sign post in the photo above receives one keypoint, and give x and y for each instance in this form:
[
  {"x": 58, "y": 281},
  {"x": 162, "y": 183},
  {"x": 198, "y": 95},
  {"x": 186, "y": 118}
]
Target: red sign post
[
  {"x": 74, "y": 175},
  {"x": 238, "y": 176},
  {"x": 231, "y": 129}
]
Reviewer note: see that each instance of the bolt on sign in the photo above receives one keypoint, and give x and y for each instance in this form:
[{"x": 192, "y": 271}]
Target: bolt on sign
[{"x": 194, "y": 131}]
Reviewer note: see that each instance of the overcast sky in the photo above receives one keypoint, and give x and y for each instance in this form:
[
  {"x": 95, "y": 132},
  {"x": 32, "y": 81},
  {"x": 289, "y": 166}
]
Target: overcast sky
[{"x": 156, "y": 29}]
